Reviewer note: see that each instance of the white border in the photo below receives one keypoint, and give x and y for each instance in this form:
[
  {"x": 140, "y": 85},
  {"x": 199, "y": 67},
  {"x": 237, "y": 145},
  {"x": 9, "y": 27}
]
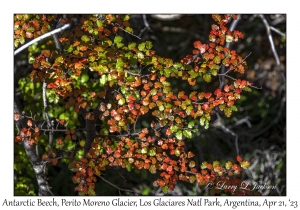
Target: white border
[{"x": 8, "y": 8}]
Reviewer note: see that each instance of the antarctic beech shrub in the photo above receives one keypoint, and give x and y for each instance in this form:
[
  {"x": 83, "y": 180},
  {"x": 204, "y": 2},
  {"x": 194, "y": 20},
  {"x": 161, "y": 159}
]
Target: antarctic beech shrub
[{"x": 131, "y": 81}]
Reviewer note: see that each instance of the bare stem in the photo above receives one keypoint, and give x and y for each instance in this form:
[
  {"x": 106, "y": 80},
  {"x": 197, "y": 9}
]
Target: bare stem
[{"x": 120, "y": 189}]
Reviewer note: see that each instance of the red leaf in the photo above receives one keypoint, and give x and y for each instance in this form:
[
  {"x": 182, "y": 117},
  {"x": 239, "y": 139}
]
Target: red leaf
[
  {"x": 46, "y": 53},
  {"x": 29, "y": 123},
  {"x": 226, "y": 88},
  {"x": 197, "y": 44},
  {"x": 239, "y": 159},
  {"x": 218, "y": 92},
  {"x": 207, "y": 95},
  {"x": 59, "y": 142},
  {"x": 205, "y": 106},
  {"x": 168, "y": 132}
]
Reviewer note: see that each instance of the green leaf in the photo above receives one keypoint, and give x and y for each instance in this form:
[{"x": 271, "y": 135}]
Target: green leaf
[
  {"x": 189, "y": 109},
  {"x": 177, "y": 65},
  {"x": 118, "y": 39},
  {"x": 191, "y": 124},
  {"x": 119, "y": 45},
  {"x": 121, "y": 101},
  {"x": 187, "y": 134},
  {"x": 202, "y": 121},
  {"x": 152, "y": 152},
  {"x": 153, "y": 92},
  {"x": 123, "y": 90},
  {"x": 165, "y": 189},
  {"x": 119, "y": 63},
  {"x": 141, "y": 46},
  {"x": 179, "y": 135},
  {"x": 174, "y": 128},
  {"x": 128, "y": 167},
  {"x": 130, "y": 78},
  {"x": 192, "y": 164},
  {"x": 70, "y": 49},
  {"x": 126, "y": 17},
  {"x": 207, "y": 77},
  {"x": 131, "y": 45},
  {"x": 144, "y": 150},
  {"x": 154, "y": 59},
  {"x": 99, "y": 23},
  {"x": 214, "y": 72},
  {"x": 193, "y": 74},
  {"x": 103, "y": 79},
  {"x": 204, "y": 165},
  {"x": 206, "y": 124},
  {"x": 227, "y": 111},
  {"x": 166, "y": 72},
  {"x": 234, "y": 108},
  {"x": 56, "y": 99},
  {"x": 85, "y": 38},
  {"x": 152, "y": 169},
  {"x": 229, "y": 38},
  {"x": 140, "y": 55},
  {"x": 247, "y": 89},
  {"x": 217, "y": 59},
  {"x": 84, "y": 78},
  {"x": 161, "y": 108},
  {"x": 148, "y": 45}
]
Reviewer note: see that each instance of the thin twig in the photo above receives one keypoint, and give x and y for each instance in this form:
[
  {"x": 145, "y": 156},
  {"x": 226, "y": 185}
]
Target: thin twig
[
  {"x": 41, "y": 38},
  {"x": 125, "y": 30},
  {"x": 61, "y": 130},
  {"x": 277, "y": 31},
  {"x": 241, "y": 121},
  {"x": 147, "y": 26},
  {"x": 133, "y": 74},
  {"x": 225, "y": 74},
  {"x": 118, "y": 136},
  {"x": 268, "y": 28},
  {"x": 115, "y": 185},
  {"x": 231, "y": 28}
]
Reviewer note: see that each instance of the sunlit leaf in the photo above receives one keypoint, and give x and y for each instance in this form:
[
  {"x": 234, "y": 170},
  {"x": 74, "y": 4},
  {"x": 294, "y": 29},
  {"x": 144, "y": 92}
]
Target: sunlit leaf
[
  {"x": 207, "y": 77},
  {"x": 103, "y": 79},
  {"x": 179, "y": 135},
  {"x": 245, "y": 164},
  {"x": 118, "y": 39},
  {"x": 165, "y": 189},
  {"x": 141, "y": 46},
  {"x": 148, "y": 45},
  {"x": 187, "y": 134}
]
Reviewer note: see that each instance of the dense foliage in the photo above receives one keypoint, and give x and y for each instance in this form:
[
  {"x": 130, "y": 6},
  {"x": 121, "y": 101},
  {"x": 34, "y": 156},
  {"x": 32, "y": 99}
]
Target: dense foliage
[{"x": 96, "y": 101}]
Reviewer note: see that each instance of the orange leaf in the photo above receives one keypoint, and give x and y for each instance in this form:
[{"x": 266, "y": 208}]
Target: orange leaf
[{"x": 239, "y": 159}]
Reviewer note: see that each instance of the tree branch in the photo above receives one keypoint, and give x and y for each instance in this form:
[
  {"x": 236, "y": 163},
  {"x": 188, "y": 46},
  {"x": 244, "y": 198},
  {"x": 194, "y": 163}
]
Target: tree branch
[
  {"x": 147, "y": 26},
  {"x": 115, "y": 24},
  {"x": 268, "y": 28},
  {"x": 231, "y": 28},
  {"x": 120, "y": 189},
  {"x": 49, "y": 123},
  {"x": 37, "y": 164},
  {"x": 41, "y": 38}
]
